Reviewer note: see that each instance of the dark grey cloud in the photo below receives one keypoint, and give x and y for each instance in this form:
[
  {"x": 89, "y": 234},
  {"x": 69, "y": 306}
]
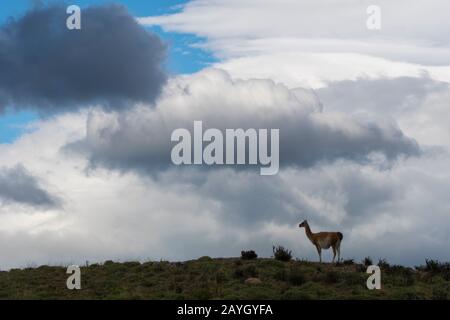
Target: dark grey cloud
[
  {"x": 140, "y": 139},
  {"x": 112, "y": 60},
  {"x": 17, "y": 185},
  {"x": 302, "y": 144}
]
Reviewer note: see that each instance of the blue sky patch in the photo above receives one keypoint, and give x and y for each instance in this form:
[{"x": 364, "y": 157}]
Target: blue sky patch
[{"x": 13, "y": 124}]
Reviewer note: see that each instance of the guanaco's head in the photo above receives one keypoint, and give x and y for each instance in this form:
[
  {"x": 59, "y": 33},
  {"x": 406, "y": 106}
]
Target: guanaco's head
[{"x": 303, "y": 224}]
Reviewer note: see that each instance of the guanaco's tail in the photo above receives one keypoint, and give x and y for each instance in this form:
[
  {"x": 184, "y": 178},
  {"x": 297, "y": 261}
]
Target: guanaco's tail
[{"x": 340, "y": 236}]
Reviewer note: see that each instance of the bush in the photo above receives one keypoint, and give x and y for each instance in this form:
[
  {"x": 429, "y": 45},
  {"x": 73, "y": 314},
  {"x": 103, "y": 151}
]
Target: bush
[
  {"x": 348, "y": 262},
  {"x": 398, "y": 275},
  {"x": 296, "y": 294},
  {"x": 131, "y": 264},
  {"x": 354, "y": 279},
  {"x": 205, "y": 258},
  {"x": 282, "y": 254},
  {"x": 439, "y": 294},
  {"x": 220, "y": 276},
  {"x": 446, "y": 275},
  {"x": 361, "y": 268},
  {"x": 280, "y": 275},
  {"x": 411, "y": 294},
  {"x": 431, "y": 265},
  {"x": 248, "y": 255},
  {"x": 239, "y": 273},
  {"x": 435, "y": 266},
  {"x": 408, "y": 278},
  {"x": 108, "y": 263},
  {"x": 405, "y": 279},
  {"x": 395, "y": 268},
  {"x": 246, "y": 272},
  {"x": 367, "y": 261},
  {"x": 201, "y": 293},
  {"x": 296, "y": 277},
  {"x": 271, "y": 264},
  {"x": 332, "y": 277},
  {"x": 383, "y": 264}
]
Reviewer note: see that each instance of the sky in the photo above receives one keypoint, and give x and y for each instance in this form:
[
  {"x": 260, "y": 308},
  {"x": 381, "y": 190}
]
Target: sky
[
  {"x": 183, "y": 57},
  {"x": 86, "y": 118}
]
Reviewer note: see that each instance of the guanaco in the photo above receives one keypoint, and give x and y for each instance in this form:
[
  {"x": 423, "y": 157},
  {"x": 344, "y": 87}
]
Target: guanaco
[{"x": 324, "y": 240}]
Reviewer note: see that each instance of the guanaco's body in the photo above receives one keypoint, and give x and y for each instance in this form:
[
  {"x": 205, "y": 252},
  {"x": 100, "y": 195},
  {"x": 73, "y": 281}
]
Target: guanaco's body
[{"x": 324, "y": 240}]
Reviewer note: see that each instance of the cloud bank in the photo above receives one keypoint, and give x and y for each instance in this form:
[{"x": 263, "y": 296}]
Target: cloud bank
[
  {"x": 309, "y": 43},
  {"x": 140, "y": 139},
  {"x": 113, "y": 210}
]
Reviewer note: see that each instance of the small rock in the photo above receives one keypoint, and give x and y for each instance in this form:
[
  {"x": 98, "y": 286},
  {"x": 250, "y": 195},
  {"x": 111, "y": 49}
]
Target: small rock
[{"x": 253, "y": 281}]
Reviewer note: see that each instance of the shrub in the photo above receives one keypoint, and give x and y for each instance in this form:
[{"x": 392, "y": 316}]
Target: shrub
[
  {"x": 439, "y": 294},
  {"x": 408, "y": 278},
  {"x": 367, "y": 261},
  {"x": 348, "y": 262},
  {"x": 239, "y": 273},
  {"x": 271, "y": 264},
  {"x": 255, "y": 293},
  {"x": 246, "y": 272},
  {"x": 248, "y": 255},
  {"x": 238, "y": 263},
  {"x": 402, "y": 279},
  {"x": 435, "y": 266},
  {"x": 131, "y": 264},
  {"x": 179, "y": 264},
  {"x": 332, "y": 277},
  {"x": 159, "y": 267},
  {"x": 383, "y": 264},
  {"x": 220, "y": 276},
  {"x": 205, "y": 258},
  {"x": 354, "y": 279},
  {"x": 296, "y": 294},
  {"x": 201, "y": 293},
  {"x": 446, "y": 275},
  {"x": 282, "y": 254},
  {"x": 361, "y": 268},
  {"x": 431, "y": 265},
  {"x": 280, "y": 275},
  {"x": 296, "y": 277},
  {"x": 395, "y": 268},
  {"x": 411, "y": 294}
]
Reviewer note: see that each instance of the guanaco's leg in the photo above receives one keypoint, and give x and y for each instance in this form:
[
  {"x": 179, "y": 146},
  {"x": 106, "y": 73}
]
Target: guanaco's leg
[
  {"x": 319, "y": 251},
  {"x": 339, "y": 251},
  {"x": 334, "y": 253}
]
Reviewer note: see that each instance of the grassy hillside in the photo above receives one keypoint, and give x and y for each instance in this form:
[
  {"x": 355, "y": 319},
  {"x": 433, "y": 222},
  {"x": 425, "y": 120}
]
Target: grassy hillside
[{"x": 208, "y": 278}]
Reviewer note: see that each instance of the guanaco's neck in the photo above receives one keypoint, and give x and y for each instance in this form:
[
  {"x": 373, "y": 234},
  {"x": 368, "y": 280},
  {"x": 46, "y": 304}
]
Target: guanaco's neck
[{"x": 309, "y": 233}]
